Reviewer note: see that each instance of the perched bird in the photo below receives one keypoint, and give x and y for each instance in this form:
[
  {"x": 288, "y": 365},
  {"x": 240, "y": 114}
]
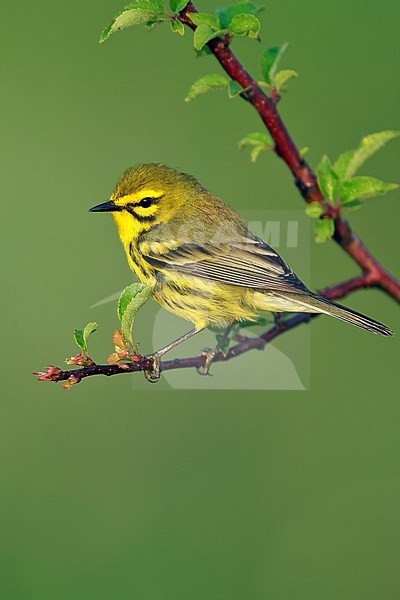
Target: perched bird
[{"x": 200, "y": 258}]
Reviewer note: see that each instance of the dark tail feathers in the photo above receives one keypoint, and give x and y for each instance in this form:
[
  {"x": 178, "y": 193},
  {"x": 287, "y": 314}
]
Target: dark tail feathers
[{"x": 352, "y": 316}]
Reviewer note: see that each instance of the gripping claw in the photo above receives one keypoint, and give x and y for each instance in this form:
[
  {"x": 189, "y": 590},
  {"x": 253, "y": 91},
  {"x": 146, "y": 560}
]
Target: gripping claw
[
  {"x": 153, "y": 376},
  {"x": 209, "y": 353}
]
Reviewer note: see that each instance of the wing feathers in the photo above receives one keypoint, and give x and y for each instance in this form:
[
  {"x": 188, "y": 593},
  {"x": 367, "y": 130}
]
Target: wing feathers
[{"x": 248, "y": 263}]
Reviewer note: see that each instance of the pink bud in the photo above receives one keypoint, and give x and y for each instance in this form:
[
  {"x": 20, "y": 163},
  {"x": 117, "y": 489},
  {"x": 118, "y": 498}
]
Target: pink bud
[{"x": 51, "y": 374}]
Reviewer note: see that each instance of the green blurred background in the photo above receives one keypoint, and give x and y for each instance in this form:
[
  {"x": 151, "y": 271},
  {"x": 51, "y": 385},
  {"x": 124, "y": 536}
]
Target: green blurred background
[{"x": 118, "y": 489}]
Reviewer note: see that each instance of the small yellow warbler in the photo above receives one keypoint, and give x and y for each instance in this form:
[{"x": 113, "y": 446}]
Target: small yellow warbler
[{"x": 199, "y": 257}]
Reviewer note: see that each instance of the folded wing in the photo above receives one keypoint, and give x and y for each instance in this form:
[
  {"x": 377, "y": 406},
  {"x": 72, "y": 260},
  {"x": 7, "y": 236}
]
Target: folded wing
[{"x": 247, "y": 262}]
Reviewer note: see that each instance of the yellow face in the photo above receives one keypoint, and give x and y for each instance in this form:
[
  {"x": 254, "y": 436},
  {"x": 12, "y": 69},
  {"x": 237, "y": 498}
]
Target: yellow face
[
  {"x": 146, "y": 196},
  {"x": 138, "y": 212}
]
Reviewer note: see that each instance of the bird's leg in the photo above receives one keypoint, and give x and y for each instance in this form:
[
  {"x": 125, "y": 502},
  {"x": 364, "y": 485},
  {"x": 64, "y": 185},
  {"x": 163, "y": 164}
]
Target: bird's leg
[
  {"x": 154, "y": 375},
  {"x": 210, "y": 353}
]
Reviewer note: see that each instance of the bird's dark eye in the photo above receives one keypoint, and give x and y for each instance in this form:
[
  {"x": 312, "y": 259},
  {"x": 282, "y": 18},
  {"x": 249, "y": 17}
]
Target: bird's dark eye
[{"x": 145, "y": 202}]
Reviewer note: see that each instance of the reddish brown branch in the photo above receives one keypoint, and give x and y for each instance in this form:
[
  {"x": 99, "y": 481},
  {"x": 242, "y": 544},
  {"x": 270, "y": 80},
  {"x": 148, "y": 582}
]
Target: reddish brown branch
[
  {"x": 342, "y": 289},
  {"x": 76, "y": 375},
  {"x": 375, "y": 275},
  {"x": 285, "y": 148}
]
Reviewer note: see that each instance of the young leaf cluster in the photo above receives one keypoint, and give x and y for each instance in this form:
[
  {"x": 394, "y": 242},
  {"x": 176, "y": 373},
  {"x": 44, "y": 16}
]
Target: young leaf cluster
[
  {"x": 130, "y": 301},
  {"x": 228, "y": 22},
  {"x": 342, "y": 188},
  {"x": 258, "y": 142},
  {"x": 82, "y": 335},
  {"x": 236, "y": 20},
  {"x": 274, "y": 79}
]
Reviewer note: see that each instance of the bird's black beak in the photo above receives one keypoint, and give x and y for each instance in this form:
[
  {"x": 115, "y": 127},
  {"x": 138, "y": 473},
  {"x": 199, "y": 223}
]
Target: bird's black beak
[{"x": 108, "y": 206}]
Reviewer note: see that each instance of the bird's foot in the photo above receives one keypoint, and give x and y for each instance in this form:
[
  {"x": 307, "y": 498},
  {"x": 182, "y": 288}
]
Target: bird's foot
[
  {"x": 209, "y": 353},
  {"x": 153, "y": 376}
]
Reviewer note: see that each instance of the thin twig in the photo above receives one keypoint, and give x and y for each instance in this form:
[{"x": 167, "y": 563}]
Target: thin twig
[{"x": 246, "y": 344}]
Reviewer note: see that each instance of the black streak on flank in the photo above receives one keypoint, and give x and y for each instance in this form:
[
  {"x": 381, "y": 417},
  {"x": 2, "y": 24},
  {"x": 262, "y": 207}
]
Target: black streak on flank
[{"x": 134, "y": 256}]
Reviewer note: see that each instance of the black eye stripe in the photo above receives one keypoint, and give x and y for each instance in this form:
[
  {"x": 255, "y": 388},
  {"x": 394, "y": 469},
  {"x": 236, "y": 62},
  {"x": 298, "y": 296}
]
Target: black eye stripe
[
  {"x": 140, "y": 218},
  {"x": 146, "y": 202},
  {"x": 143, "y": 203},
  {"x": 146, "y": 219}
]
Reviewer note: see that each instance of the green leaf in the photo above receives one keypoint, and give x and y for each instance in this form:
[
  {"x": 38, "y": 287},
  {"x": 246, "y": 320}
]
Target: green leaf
[
  {"x": 256, "y": 151},
  {"x": 259, "y": 142},
  {"x": 177, "y": 5},
  {"x": 341, "y": 164},
  {"x": 202, "y": 35},
  {"x": 368, "y": 146},
  {"x": 136, "y": 13},
  {"x": 205, "y": 50},
  {"x": 245, "y": 24},
  {"x": 314, "y": 210},
  {"x": 256, "y": 138},
  {"x": 352, "y": 204},
  {"x": 364, "y": 187},
  {"x": 126, "y": 296},
  {"x": 89, "y": 329},
  {"x": 234, "y": 89},
  {"x": 270, "y": 60},
  {"x": 227, "y": 13},
  {"x": 208, "y": 82},
  {"x": 205, "y": 19},
  {"x": 267, "y": 60},
  {"x": 177, "y": 27},
  {"x": 282, "y": 77},
  {"x": 82, "y": 335},
  {"x": 131, "y": 300},
  {"x": 151, "y": 24},
  {"x": 324, "y": 230},
  {"x": 79, "y": 339},
  {"x": 327, "y": 178}
]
